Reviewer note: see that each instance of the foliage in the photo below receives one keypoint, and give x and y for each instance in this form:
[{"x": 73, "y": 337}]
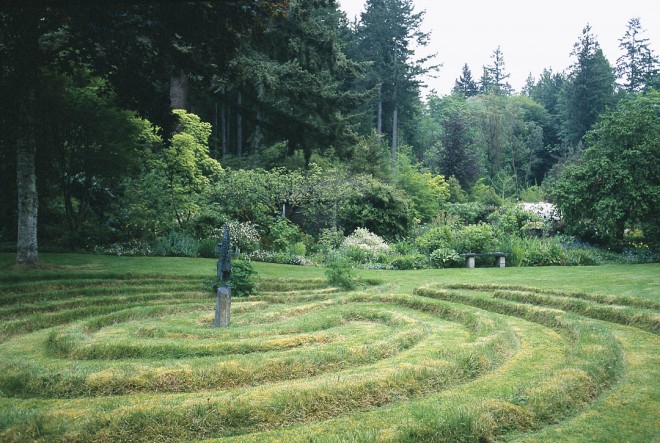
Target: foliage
[
  {"x": 409, "y": 261},
  {"x": 330, "y": 239},
  {"x": 281, "y": 233},
  {"x": 187, "y": 167},
  {"x": 438, "y": 237},
  {"x": 616, "y": 182},
  {"x": 244, "y": 236},
  {"x": 339, "y": 271},
  {"x": 361, "y": 238},
  {"x": 479, "y": 238},
  {"x": 588, "y": 90},
  {"x": 638, "y": 65},
  {"x": 378, "y": 207},
  {"x": 445, "y": 258},
  {"x": 242, "y": 280},
  {"x": 176, "y": 244},
  {"x": 511, "y": 219},
  {"x": 281, "y": 257}
]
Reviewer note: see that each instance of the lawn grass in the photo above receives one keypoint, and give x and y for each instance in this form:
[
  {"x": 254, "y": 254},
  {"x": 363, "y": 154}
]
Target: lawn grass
[{"x": 101, "y": 348}]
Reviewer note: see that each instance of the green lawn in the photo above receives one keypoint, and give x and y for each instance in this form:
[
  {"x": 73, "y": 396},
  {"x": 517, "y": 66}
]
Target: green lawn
[{"x": 99, "y": 348}]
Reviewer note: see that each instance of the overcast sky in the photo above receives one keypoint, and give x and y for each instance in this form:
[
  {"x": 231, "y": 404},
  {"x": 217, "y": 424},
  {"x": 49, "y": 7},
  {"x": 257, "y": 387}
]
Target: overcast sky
[{"x": 533, "y": 35}]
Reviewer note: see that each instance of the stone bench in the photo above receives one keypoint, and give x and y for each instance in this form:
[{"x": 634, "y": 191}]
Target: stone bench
[{"x": 501, "y": 258}]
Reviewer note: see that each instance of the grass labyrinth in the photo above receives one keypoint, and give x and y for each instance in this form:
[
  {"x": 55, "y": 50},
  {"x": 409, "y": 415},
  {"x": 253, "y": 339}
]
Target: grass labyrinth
[{"x": 113, "y": 352}]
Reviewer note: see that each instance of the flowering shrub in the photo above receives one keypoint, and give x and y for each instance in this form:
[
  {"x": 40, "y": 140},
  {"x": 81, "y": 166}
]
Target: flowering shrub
[
  {"x": 242, "y": 235},
  {"x": 283, "y": 258},
  {"x": 130, "y": 249},
  {"x": 363, "y": 239},
  {"x": 547, "y": 211}
]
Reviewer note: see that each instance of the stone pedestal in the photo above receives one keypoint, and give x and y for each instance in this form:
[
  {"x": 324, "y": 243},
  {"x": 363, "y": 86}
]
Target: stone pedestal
[
  {"x": 222, "y": 308},
  {"x": 470, "y": 261},
  {"x": 501, "y": 262}
]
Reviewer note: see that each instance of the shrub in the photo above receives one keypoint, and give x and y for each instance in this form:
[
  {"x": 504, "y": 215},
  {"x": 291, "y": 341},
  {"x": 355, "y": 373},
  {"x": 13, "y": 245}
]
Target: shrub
[
  {"x": 297, "y": 248},
  {"x": 330, "y": 239},
  {"x": 445, "y": 258},
  {"x": 582, "y": 257},
  {"x": 363, "y": 239},
  {"x": 410, "y": 261},
  {"x": 340, "y": 272},
  {"x": 473, "y": 212},
  {"x": 435, "y": 238},
  {"x": 475, "y": 238},
  {"x": 514, "y": 220},
  {"x": 545, "y": 252},
  {"x": 243, "y": 236},
  {"x": 176, "y": 244},
  {"x": 242, "y": 278},
  {"x": 281, "y": 234},
  {"x": 207, "y": 248},
  {"x": 283, "y": 258}
]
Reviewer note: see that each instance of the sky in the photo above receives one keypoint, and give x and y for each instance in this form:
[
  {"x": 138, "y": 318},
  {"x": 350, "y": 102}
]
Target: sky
[{"x": 532, "y": 35}]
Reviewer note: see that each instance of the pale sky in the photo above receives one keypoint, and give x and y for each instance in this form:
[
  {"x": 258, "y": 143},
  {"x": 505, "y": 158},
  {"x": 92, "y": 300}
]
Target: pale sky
[{"x": 532, "y": 35}]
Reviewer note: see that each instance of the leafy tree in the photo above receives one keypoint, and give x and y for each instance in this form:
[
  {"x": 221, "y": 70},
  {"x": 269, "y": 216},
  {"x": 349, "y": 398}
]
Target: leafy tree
[
  {"x": 187, "y": 167},
  {"x": 86, "y": 142},
  {"x": 378, "y": 207},
  {"x": 465, "y": 84},
  {"x": 138, "y": 47},
  {"x": 455, "y": 154},
  {"x": 588, "y": 90},
  {"x": 616, "y": 182},
  {"x": 638, "y": 65}
]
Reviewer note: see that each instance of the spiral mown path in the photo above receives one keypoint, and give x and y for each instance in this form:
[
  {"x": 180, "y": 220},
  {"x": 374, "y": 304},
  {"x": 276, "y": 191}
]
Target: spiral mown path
[{"x": 103, "y": 357}]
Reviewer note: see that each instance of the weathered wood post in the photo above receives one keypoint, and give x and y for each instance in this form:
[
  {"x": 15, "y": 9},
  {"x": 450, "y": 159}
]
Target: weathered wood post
[{"x": 223, "y": 301}]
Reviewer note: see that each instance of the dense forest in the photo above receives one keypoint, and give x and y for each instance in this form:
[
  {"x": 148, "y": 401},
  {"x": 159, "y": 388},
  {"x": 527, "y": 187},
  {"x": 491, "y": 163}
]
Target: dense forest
[{"x": 145, "y": 127}]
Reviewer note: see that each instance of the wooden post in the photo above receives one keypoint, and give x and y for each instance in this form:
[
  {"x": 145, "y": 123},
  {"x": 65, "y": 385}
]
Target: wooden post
[
  {"x": 223, "y": 302},
  {"x": 222, "y": 308}
]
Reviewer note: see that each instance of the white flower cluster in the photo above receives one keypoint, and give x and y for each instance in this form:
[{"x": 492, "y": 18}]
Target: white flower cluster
[
  {"x": 547, "y": 211},
  {"x": 363, "y": 239}
]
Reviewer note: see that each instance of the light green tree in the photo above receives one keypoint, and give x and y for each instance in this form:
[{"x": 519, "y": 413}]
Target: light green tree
[{"x": 187, "y": 166}]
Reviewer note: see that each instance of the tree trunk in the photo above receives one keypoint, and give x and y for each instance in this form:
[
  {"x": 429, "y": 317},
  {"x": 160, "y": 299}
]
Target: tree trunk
[
  {"x": 223, "y": 128},
  {"x": 26, "y": 184},
  {"x": 25, "y": 82},
  {"x": 395, "y": 137},
  {"x": 379, "y": 123},
  {"x": 179, "y": 90},
  {"x": 239, "y": 126}
]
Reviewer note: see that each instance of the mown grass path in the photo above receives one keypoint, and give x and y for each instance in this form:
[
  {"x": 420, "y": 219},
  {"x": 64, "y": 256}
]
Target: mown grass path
[{"x": 121, "y": 349}]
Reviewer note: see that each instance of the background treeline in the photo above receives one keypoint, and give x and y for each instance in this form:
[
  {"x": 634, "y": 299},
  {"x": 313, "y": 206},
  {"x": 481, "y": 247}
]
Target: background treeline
[{"x": 147, "y": 126}]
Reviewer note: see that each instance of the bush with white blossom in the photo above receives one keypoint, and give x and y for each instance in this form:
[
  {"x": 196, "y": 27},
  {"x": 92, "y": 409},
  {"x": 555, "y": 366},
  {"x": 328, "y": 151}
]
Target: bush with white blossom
[
  {"x": 361, "y": 238},
  {"x": 547, "y": 211}
]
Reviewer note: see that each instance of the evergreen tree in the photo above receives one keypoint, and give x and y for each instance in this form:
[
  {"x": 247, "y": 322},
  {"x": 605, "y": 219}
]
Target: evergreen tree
[
  {"x": 638, "y": 65},
  {"x": 496, "y": 75},
  {"x": 589, "y": 89},
  {"x": 386, "y": 34},
  {"x": 486, "y": 82},
  {"x": 465, "y": 84},
  {"x": 295, "y": 81}
]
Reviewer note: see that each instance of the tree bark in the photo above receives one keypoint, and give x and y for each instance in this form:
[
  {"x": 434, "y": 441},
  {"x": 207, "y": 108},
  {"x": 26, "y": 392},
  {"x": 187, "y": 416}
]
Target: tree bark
[
  {"x": 223, "y": 128},
  {"x": 239, "y": 125},
  {"x": 379, "y": 123},
  {"x": 26, "y": 184},
  {"x": 179, "y": 90},
  {"x": 395, "y": 137},
  {"x": 26, "y": 78}
]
